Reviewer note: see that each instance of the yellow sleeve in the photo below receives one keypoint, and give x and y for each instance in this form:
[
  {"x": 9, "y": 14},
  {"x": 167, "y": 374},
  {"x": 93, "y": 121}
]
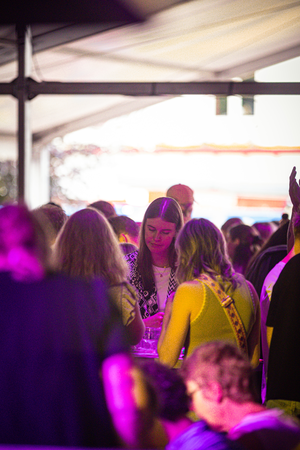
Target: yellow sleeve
[{"x": 186, "y": 305}]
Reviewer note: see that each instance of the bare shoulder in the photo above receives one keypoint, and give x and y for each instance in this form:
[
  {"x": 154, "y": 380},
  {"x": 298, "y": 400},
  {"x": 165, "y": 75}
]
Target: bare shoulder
[
  {"x": 193, "y": 286},
  {"x": 189, "y": 297}
]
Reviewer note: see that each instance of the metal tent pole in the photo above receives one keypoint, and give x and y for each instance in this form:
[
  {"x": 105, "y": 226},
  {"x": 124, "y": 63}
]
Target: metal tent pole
[{"x": 24, "y": 126}]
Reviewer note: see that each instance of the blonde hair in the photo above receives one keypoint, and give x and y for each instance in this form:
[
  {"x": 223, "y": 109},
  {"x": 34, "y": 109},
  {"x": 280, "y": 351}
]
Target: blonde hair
[
  {"x": 201, "y": 248},
  {"x": 87, "y": 246}
]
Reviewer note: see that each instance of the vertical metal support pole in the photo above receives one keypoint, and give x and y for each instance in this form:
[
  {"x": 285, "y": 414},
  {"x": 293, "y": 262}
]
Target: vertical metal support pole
[{"x": 24, "y": 128}]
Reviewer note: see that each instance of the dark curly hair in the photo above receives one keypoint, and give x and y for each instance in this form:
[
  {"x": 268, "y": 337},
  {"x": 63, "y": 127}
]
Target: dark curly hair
[{"x": 171, "y": 399}]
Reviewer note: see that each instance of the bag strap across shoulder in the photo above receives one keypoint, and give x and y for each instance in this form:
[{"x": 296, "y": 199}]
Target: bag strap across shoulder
[{"x": 230, "y": 310}]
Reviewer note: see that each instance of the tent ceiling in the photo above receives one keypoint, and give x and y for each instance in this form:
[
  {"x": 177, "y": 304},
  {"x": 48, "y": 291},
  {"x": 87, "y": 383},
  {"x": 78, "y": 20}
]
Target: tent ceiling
[{"x": 197, "y": 40}]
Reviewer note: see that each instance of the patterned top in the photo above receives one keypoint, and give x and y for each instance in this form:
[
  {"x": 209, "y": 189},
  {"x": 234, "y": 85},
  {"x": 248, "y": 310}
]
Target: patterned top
[{"x": 147, "y": 299}]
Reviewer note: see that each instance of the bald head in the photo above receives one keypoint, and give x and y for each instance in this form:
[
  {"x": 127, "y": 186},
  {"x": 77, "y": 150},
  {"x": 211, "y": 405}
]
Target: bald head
[{"x": 185, "y": 197}]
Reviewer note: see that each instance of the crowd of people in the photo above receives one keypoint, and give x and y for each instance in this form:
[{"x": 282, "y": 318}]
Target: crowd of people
[{"x": 78, "y": 292}]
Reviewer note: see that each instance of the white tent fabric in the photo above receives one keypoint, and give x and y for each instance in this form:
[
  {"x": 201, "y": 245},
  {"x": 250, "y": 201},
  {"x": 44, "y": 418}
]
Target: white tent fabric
[{"x": 197, "y": 40}]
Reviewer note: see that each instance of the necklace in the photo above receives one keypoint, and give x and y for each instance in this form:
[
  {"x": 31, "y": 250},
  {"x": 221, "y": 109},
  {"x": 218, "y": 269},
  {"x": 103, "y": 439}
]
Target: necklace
[{"x": 160, "y": 271}]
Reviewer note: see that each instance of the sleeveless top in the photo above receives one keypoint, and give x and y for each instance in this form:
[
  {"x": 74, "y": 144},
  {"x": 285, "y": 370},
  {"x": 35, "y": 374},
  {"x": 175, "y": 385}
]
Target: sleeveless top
[{"x": 212, "y": 323}]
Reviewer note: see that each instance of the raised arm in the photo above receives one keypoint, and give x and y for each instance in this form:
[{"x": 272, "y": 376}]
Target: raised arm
[{"x": 294, "y": 190}]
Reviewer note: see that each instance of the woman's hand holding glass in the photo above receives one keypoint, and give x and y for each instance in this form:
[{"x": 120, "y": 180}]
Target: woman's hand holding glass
[{"x": 154, "y": 321}]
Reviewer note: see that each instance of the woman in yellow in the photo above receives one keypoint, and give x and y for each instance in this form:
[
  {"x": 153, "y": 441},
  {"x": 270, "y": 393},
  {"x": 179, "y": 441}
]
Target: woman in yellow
[{"x": 196, "y": 315}]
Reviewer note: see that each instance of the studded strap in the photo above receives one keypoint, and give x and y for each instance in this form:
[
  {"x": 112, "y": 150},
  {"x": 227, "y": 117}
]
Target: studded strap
[{"x": 230, "y": 310}]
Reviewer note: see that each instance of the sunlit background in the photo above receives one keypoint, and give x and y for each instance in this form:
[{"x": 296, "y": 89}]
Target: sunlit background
[{"x": 237, "y": 163}]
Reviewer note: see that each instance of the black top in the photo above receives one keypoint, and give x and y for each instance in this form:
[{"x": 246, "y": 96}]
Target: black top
[
  {"x": 284, "y": 317},
  {"x": 54, "y": 334}
]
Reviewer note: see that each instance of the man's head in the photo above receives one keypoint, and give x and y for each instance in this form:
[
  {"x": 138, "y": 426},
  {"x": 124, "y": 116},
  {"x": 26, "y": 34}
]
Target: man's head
[
  {"x": 217, "y": 373},
  {"x": 185, "y": 197}
]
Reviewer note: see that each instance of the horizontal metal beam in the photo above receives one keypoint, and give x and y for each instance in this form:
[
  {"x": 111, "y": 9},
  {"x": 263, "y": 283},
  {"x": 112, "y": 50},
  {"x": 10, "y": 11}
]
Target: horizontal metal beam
[
  {"x": 136, "y": 89},
  {"x": 6, "y": 89},
  {"x": 228, "y": 88},
  {"x": 150, "y": 89}
]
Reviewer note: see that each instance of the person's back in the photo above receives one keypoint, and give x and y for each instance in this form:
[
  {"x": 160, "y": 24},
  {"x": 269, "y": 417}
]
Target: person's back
[
  {"x": 55, "y": 334},
  {"x": 87, "y": 247},
  {"x": 262, "y": 262},
  {"x": 265, "y": 298},
  {"x": 284, "y": 315},
  {"x": 266, "y": 294},
  {"x": 198, "y": 312}
]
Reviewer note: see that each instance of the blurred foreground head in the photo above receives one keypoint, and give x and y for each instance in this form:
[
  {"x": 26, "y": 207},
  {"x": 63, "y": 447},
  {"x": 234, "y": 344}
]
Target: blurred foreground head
[
  {"x": 169, "y": 391},
  {"x": 23, "y": 248}
]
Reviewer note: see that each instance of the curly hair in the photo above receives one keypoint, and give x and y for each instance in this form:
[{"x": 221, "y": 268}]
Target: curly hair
[
  {"x": 201, "y": 248},
  {"x": 224, "y": 363},
  {"x": 172, "y": 401},
  {"x": 87, "y": 246}
]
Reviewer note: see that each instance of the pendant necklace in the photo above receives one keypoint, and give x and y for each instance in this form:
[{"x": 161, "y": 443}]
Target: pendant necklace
[{"x": 159, "y": 272}]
